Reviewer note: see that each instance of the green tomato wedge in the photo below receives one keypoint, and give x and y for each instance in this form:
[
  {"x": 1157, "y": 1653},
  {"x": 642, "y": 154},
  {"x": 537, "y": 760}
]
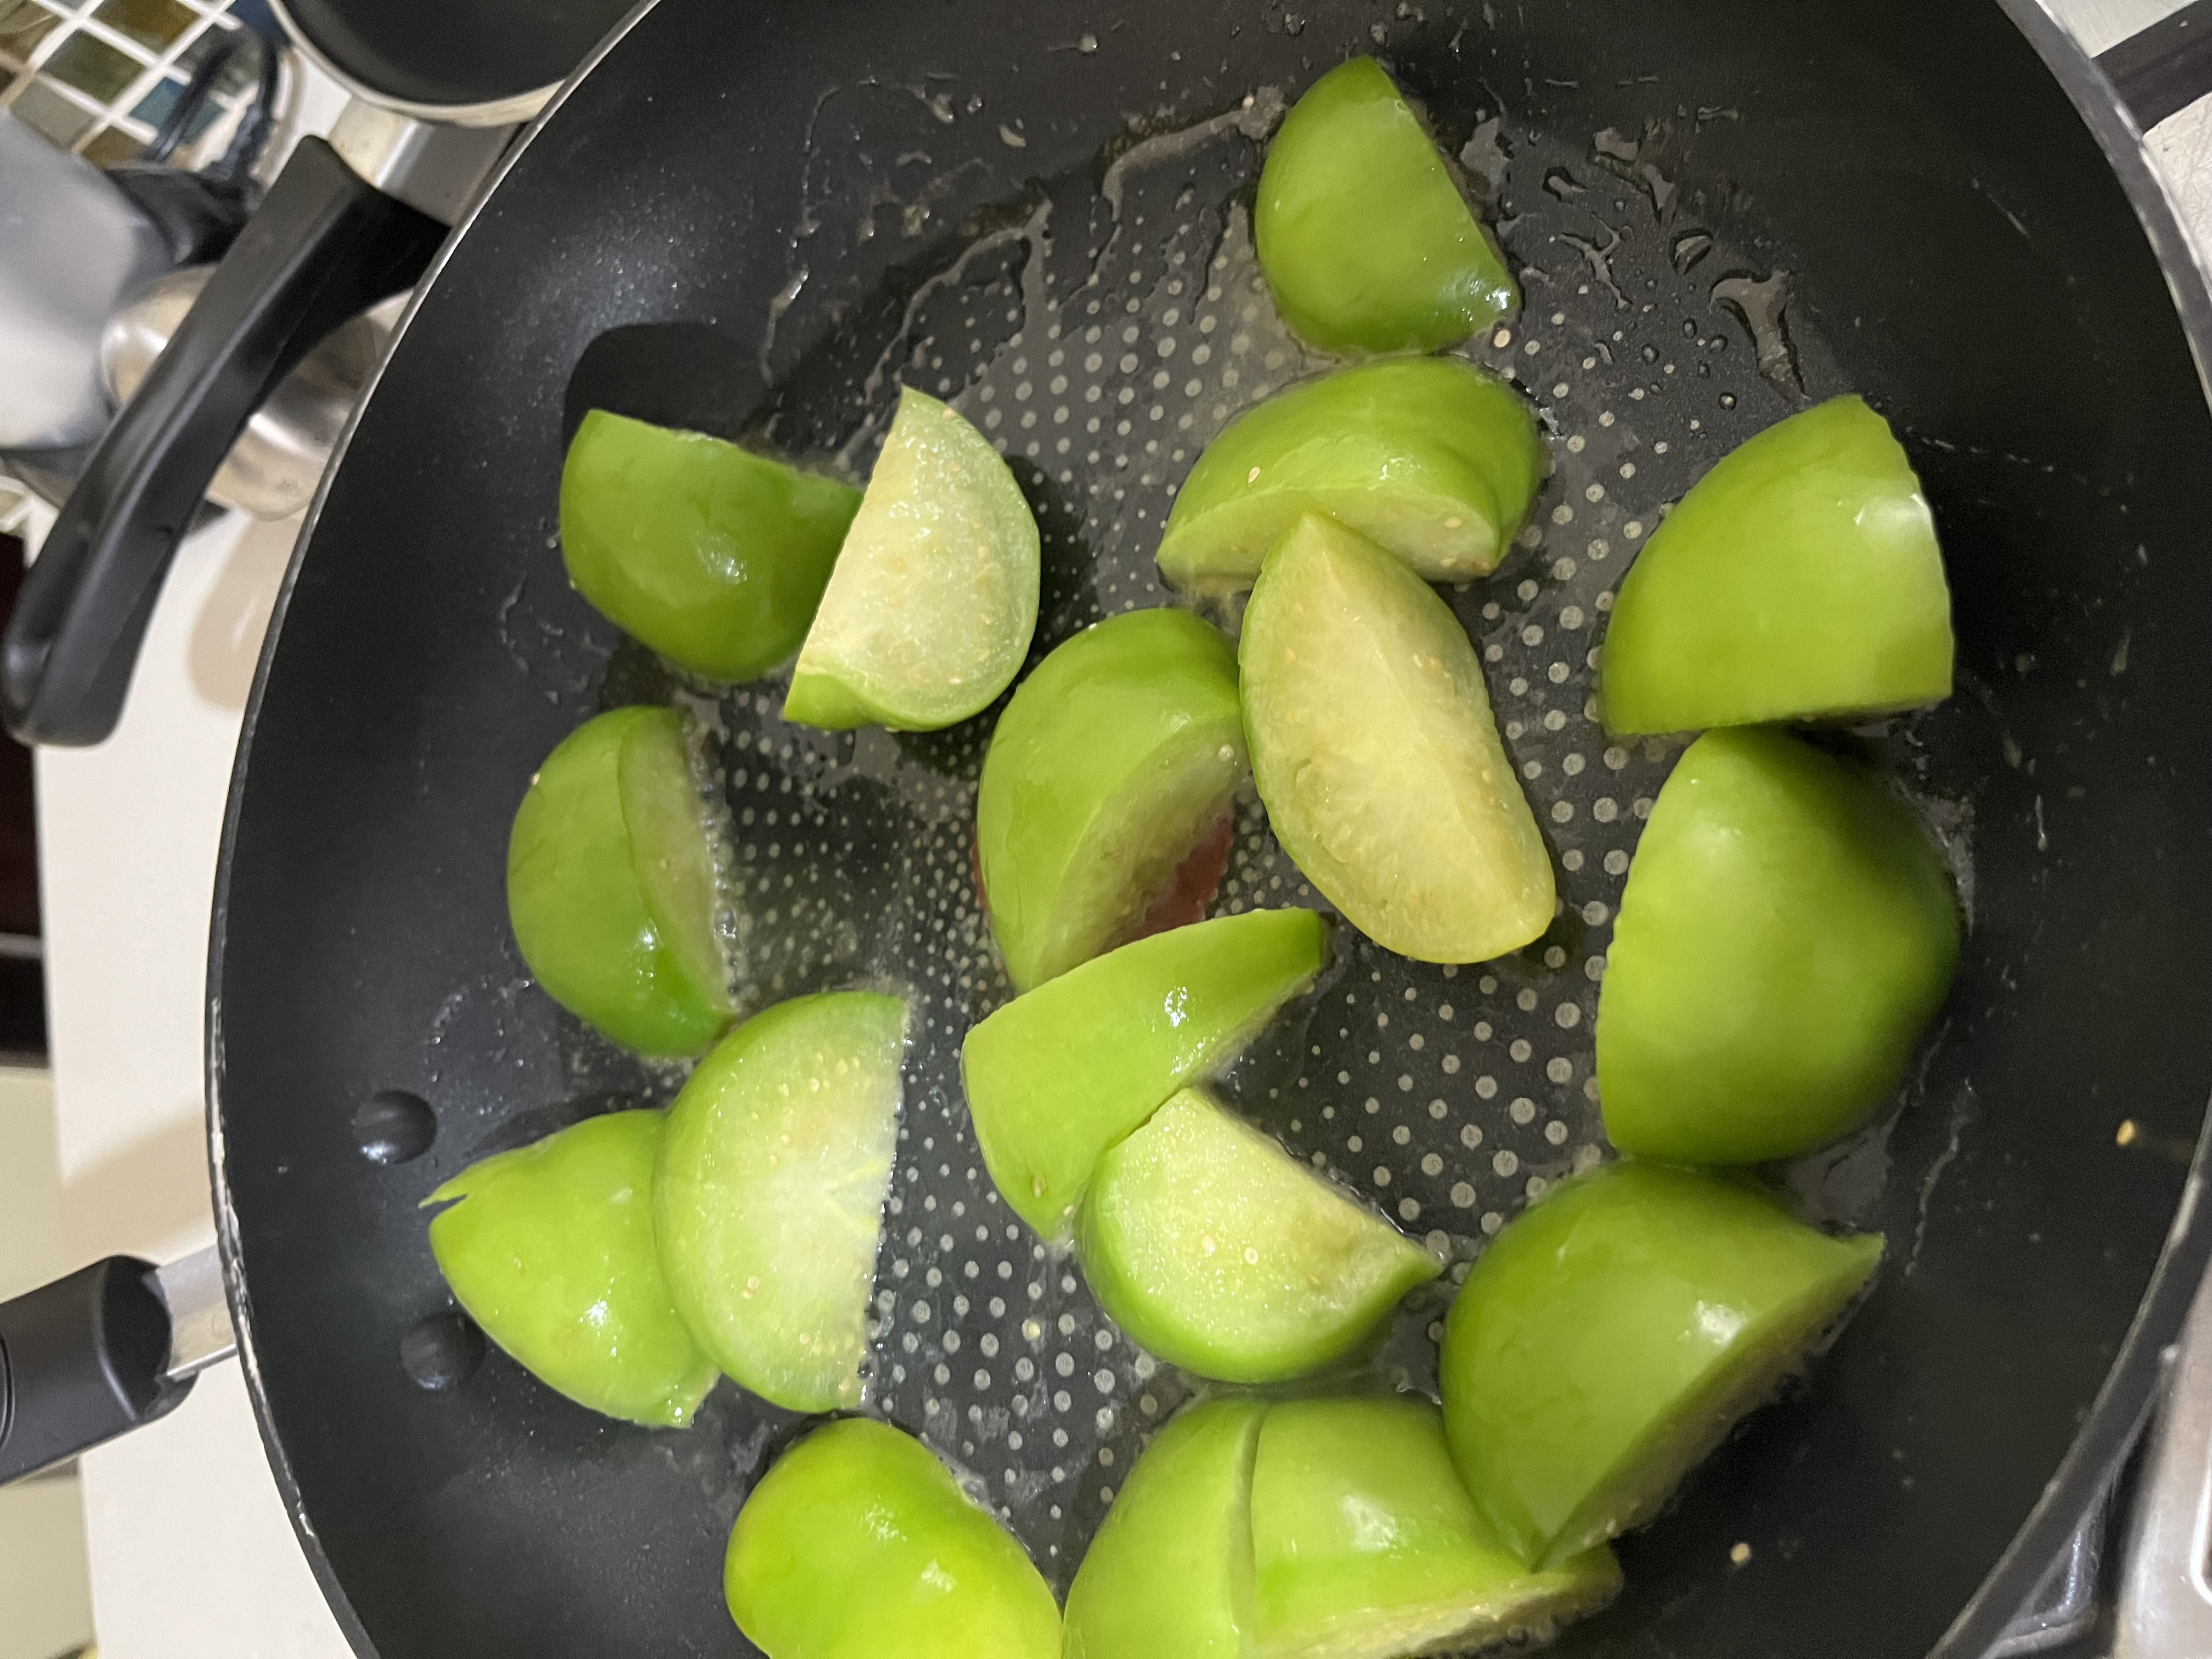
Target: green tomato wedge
[
  {"x": 1169, "y": 1574},
  {"x": 771, "y": 1197},
  {"x": 1609, "y": 1337},
  {"x": 1366, "y": 1545},
  {"x": 669, "y": 851},
  {"x": 859, "y": 1543},
  {"x": 549, "y": 1248},
  {"x": 1118, "y": 756},
  {"x": 1062, "y": 1073},
  {"x": 610, "y": 885},
  {"x": 1798, "y": 579},
  {"x": 1218, "y": 1251},
  {"x": 929, "y": 612},
  {"x": 1373, "y": 749},
  {"x": 714, "y": 557},
  {"x": 1428, "y": 456},
  {"x": 1787, "y": 932},
  {"x": 1361, "y": 231}
]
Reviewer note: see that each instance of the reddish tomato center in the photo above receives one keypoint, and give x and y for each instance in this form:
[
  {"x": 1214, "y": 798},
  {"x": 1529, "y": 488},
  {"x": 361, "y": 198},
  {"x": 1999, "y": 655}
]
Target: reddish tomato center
[{"x": 1197, "y": 879}]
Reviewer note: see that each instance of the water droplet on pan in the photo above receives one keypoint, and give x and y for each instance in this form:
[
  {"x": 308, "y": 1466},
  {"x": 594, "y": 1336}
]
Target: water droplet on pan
[
  {"x": 1688, "y": 248},
  {"x": 442, "y": 1351},
  {"x": 1759, "y": 304},
  {"x": 393, "y": 1127}
]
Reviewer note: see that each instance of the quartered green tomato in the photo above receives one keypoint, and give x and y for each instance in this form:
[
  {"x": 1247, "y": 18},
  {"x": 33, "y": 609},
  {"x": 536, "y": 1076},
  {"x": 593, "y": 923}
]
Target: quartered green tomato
[
  {"x": 1361, "y": 231},
  {"x": 1798, "y": 579},
  {"x": 1365, "y": 1546},
  {"x": 1062, "y": 1073},
  {"x": 549, "y": 1248},
  {"x": 930, "y": 611},
  {"x": 858, "y": 1544},
  {"x": 1116, "y": 759},
  {"x": 771, "y": 1193},
  {"x": 1169, "y": 1574},
  {"x": 1376, "y": 752},
  {"x": 610, "y": 885},
  {"x": 711, "y": 555},
  {"x": 1427, "y": 457},
  {"x": 1609, "y": 1337},
  {"x": 1787, "y": 933},
  {"x": 1218, "y": 1252}
]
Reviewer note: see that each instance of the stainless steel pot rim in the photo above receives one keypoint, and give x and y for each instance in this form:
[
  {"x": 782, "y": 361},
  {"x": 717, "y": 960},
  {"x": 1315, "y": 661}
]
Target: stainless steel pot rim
[{"x": 494, "y": 113}]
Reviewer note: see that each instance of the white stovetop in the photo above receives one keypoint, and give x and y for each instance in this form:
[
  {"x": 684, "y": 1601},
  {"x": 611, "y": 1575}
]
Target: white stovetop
[{"x": 191, "y": 1554}]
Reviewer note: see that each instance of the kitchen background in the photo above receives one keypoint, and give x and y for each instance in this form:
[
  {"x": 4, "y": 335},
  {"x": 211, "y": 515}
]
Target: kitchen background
[
  {"x": 172, "y": 1542},
  {"x": 102, "y": 78}
]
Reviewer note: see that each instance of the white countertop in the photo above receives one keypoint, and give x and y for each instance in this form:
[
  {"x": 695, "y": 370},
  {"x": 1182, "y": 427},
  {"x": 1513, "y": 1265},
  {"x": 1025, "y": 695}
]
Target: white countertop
[{"x": 191, "y": 1555}]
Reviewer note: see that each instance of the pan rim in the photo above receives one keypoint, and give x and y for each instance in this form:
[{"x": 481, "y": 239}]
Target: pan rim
[
  {"x": 2131, "y": 1385},
  {"x": 2124, "y": 1401}
]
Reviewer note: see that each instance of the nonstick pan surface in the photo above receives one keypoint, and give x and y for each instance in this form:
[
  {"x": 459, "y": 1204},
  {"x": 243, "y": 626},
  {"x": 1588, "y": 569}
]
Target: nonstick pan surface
[{"x": 759, "y": 224}]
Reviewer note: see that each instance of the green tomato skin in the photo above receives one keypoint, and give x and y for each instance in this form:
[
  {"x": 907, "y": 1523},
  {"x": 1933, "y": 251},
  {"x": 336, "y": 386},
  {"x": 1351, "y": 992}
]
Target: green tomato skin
[
  {"x": 549, "y": 1249},
  {"x": 714, "y": 557},
  {"x": 1361, "y": 232},
  {"x": 930, "y": 611},
  {"x": 772, "y": 1176},
  {"x": 1116, "y": 756},
  {"x": 1787, "y": 933},
  {"x": 859, "y": 1543},
  {"x": 1064, "y": 1071},
  {"x": 1609, "y": 1337},
  {"x": 1377, "y": 756},
  {"x": 1798, "y": 579},
  {"x": 1217, "y": 1251},
  {"x": 1366, "y": 1545},
  {"x": 1427, "y": 457},
  {"x": 581, "y": 919},
  {"x": 1169, "y": 1574}
]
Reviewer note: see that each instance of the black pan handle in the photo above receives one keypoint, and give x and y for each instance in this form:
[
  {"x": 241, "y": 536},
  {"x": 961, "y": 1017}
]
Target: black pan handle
[
  {"x": 81, "y": 1360},
  {"x": 324, "y": 246},
  {"x": 2166, "y": 69}
]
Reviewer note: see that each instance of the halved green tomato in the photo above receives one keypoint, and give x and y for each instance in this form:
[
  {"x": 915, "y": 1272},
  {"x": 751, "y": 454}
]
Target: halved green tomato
[
  {"x": 859, "y": 1543},
  {"x": 1062, "y": 1073},
  {"x": 1373, "y": 749},
  {"x": 711, "y": 555},
  {"x": 771, "y": 1193},
  {"x": 1116, "y": 758},
  {"x": 1606, "y": 1341},
  {"x": 1218, "y": 1251},
  {"x": 1361, "y": 231},
  {"x": 1169, "y": 1574},
  {"x": 1428, "y": 456},
  {"x": 550, "y": 1249},
  {"x": 1787, "y": 933},
  {"x": 1366, "y": 1545},
  {"x": 1798, "y": 579},
  {"x": 610, "y": 885},
  {"x": 928, "y": 614}
]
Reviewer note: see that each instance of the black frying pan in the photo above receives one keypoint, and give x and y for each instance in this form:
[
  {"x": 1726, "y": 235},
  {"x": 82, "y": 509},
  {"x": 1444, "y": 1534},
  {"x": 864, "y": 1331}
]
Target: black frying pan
[{"x": 1963, "y": 251}]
